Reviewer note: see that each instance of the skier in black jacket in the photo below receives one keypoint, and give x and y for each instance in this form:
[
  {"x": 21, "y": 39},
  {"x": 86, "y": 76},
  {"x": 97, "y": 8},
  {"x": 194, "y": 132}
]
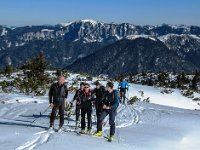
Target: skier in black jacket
[
  {"x": 86, "y": 108},
  {"x": 98, "y": 96},
  {"x": 77, "y": 99},
  {"x": 57, "y": 94}
]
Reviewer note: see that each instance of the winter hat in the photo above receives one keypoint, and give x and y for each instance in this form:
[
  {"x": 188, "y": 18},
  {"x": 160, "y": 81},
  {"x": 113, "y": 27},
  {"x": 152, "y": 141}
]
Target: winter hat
[
  {"x": 110, "y": 84},
  {"x": 97, "y": 83}
]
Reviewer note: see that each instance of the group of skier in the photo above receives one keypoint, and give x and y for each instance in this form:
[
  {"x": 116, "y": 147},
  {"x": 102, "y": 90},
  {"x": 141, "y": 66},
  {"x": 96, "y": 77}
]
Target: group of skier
[{"x": 104, "y": 99}]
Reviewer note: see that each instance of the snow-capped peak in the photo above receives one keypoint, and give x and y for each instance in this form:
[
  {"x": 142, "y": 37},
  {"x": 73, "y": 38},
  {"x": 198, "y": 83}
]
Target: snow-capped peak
[
  {"x": 93, "y": 22},
  {"x": 66, "y": 24},
  {"x": 166, "y": 37},
  {"x": 47, "y": 30},
  {"x": 4, "y": 31},
  {"x": 133, "y": 37},
  {"x": 89, "y": 21}
]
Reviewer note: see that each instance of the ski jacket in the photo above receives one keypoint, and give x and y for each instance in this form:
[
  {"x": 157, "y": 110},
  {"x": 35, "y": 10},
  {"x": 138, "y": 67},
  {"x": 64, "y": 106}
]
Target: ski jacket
[
  {"x": 111, "y": 99},
  {"x": 77, "y": 95},
  {"x": 57, "y": 93},
  {"x": 98, "y": 95},
  {"x": 123, "y": 85},
  {"x": 86, "y": 99}
]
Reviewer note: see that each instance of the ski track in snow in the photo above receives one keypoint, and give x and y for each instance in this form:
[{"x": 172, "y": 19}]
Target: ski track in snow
[
  {"x": 122, "y": 121},
  {"x": 42, "y": 138},
  {"x": 20, "y": 114},
  {"x": 127, "y": 115}
]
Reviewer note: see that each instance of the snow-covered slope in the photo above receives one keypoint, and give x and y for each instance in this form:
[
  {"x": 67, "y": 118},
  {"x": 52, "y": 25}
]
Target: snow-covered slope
[
  {"x": 183, "y": 42},
  {"x": 175, "y": 99},
  {"x": 142, "y": 126}
]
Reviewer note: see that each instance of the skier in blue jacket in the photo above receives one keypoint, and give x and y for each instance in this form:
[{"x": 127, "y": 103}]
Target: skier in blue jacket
[{"x": 122, "y": 87}]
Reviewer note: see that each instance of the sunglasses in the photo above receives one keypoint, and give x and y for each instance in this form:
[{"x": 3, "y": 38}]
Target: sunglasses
[{"x": 86, "y": 87}]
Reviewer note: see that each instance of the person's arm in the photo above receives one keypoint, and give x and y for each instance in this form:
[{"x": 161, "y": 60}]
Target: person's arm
[
  {"x": 103, "y": 94},
  {"x": 51, "y": 94},
  {"x": 116, "y": 101},
  {"x": 79, "y": 97},
  {"x": 75, "y": 96},
  {"x": 90, "y": 96},
  {"x": 102, "y": 100},
  {"x": 93, "y": 95},
  {"x": 127, "y": 85},
  {"x": 119, "y": 85},
  {"x": 66, "y": 91}
]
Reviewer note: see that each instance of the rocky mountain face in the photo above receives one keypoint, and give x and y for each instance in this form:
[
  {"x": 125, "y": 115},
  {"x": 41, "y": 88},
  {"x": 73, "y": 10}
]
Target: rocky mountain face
[
  {"x": 128, "y": 56},
  {"x": 186, "y": 46},
  {"x": 65, "y": 43}
]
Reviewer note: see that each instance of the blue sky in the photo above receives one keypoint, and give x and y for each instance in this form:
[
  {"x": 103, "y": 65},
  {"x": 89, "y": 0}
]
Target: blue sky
[{"x": 140, "y": 12}]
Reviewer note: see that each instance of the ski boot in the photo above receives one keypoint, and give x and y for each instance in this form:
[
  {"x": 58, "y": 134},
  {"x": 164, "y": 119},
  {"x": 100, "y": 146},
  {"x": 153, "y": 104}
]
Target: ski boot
[
  {"x": 110, "y": 139},
  {"x": 98, "y": 134},
  {"x": 82, "y": 131},
  {"x": 60, "y": 129},
  {"x": 89, "y": 132}
]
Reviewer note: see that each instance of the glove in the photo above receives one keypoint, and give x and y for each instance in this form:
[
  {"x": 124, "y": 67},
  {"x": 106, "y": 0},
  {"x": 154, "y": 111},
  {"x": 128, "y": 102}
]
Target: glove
[
  {"x": 71, "y": 104},
  {"x": 78, "y": 102},
  {"x": 51, "y": 105},
  {"x": 93, "y": 96}
]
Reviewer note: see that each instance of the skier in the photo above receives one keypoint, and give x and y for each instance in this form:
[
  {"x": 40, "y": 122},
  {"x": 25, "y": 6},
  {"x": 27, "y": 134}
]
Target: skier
[
  {"x": 78, "y": 104},
  {"x": 57, "y": 95},
  {"x": 98, "y": 95},
  {"x": 122, "y": 87},
  {"x": 86, "y": 108},
  {"x": 110, "y": 104}
]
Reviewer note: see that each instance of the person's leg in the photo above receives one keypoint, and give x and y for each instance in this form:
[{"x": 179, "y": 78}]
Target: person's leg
[
  {"x": 121, "y": 95},
  {"x": 112, "y": 115},
  {"x": 89, "y": 118},
  {"x": 83, "y": 112},
  {"x": 124, "y": 96},
  {"x": 97, "y": 113},
  {"x": 100, "y": 120},
  {"x": 61, "y": 113},
  {"x": 53, "y": 115},
  {"x": 77, "y": 113}
]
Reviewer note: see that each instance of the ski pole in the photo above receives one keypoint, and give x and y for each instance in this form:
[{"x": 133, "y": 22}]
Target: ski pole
[
  {"x": 40, "y": 115},
  {"x": 127, "y": 99},
  {"x": 94, "y": 114},
  {"x": 117, "y": 128}
]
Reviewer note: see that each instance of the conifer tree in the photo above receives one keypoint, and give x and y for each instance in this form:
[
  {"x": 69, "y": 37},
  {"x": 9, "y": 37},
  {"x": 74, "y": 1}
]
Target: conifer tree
[{"x": 36, "y": 79}]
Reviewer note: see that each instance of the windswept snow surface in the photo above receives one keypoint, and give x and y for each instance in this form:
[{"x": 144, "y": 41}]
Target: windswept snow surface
[{"x": 142, "y": 126}]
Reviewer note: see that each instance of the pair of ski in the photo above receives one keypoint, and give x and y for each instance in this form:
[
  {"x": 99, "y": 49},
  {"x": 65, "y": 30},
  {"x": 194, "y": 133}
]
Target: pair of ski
[
  {"x": 60, "y": 130},
  {"x": 92, "y": 135},
  {"x": 66, "y": 128},
  {"x": 53, "y": 130}
]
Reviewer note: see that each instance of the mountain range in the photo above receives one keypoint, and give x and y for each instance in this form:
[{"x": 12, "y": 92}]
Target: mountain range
[{"x": 132, "y": 47}]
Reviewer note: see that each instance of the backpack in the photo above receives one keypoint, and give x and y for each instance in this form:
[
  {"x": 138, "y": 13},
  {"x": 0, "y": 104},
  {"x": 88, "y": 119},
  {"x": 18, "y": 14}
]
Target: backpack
[
  {"x": 118, "y": 93},
  {"x": 113, "y": 96}
]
